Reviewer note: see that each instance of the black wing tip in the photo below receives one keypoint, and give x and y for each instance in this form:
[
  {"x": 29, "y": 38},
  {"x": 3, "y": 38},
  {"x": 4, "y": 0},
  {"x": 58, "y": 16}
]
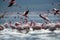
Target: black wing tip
[{"x": 12, "y": 0}]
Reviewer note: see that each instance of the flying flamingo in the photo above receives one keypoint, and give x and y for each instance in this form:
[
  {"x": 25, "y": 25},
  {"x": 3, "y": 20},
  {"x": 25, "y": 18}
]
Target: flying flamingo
[
  {"x": 11, "y": 3},
  {"x": 56, "y": 11},
  {"x": 26, "y": 13},
  {"x": 45, "y": 18}
]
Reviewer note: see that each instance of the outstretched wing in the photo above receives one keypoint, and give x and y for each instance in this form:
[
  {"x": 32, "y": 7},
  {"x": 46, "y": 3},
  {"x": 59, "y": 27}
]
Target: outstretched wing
[
  {"x": 45, "y": 18},
  {"x": 10, "y": 4},
  {"x": 12, "y": 0},
  {"x": 26, "y": 13}
]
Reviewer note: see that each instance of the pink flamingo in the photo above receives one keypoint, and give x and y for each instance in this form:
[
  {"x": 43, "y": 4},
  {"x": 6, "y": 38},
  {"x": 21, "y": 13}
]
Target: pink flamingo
[
  {"x": 1, "y": 28},
  {"x": 11, "y": 25},
  {"x": 26, "y": 13},
  {"x": 11, "y": 3},
  {"x": 56, "y": 11},
  {"x": 6, "y": 25},
  {"x": 45, "y": 18}
]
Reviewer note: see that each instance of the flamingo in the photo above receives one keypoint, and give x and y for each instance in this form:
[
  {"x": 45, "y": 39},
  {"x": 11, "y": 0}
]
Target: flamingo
[
  {"x": 11, "y": 3},
  {"x": 37, "y": 26},
  {"x": 57, "y": 25},
  {"x": 56, "y": 11},
  {"x": 45, "y": 18},
  {"x": 51, "y": 26},
  {"x": 34, "y": 26},
  {"x": 1, "y": 28},
  {"x": 6, "y": 25},
  {"x": 21, "y": 28},
  {"x": 26, "y": 13},
  {"x": 3, "y": 0}
]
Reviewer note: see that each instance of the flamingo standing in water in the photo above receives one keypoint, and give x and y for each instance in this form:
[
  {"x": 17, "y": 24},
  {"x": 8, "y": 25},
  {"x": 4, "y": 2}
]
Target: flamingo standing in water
[
  {"x": 49, "y": 25},
  {"x": 12, "y": 25},
  {"x": 1, "y": 28},
  {"x": 36, "y": 27},
  {"x": 6, "y": 25},
  {"x": 57, "y": 25},
  {"x": 21, "y": 28}
]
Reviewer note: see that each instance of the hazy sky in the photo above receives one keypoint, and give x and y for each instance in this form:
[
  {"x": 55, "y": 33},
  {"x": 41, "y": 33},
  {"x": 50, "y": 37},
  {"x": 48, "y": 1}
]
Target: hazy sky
[{"x": 32, "y": 5}]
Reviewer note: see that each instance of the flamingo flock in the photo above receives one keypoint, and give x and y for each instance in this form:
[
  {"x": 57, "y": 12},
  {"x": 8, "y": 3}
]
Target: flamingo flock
[
  {"x": 27, "y": 25},
  {"x": 35, "y": 26}
]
